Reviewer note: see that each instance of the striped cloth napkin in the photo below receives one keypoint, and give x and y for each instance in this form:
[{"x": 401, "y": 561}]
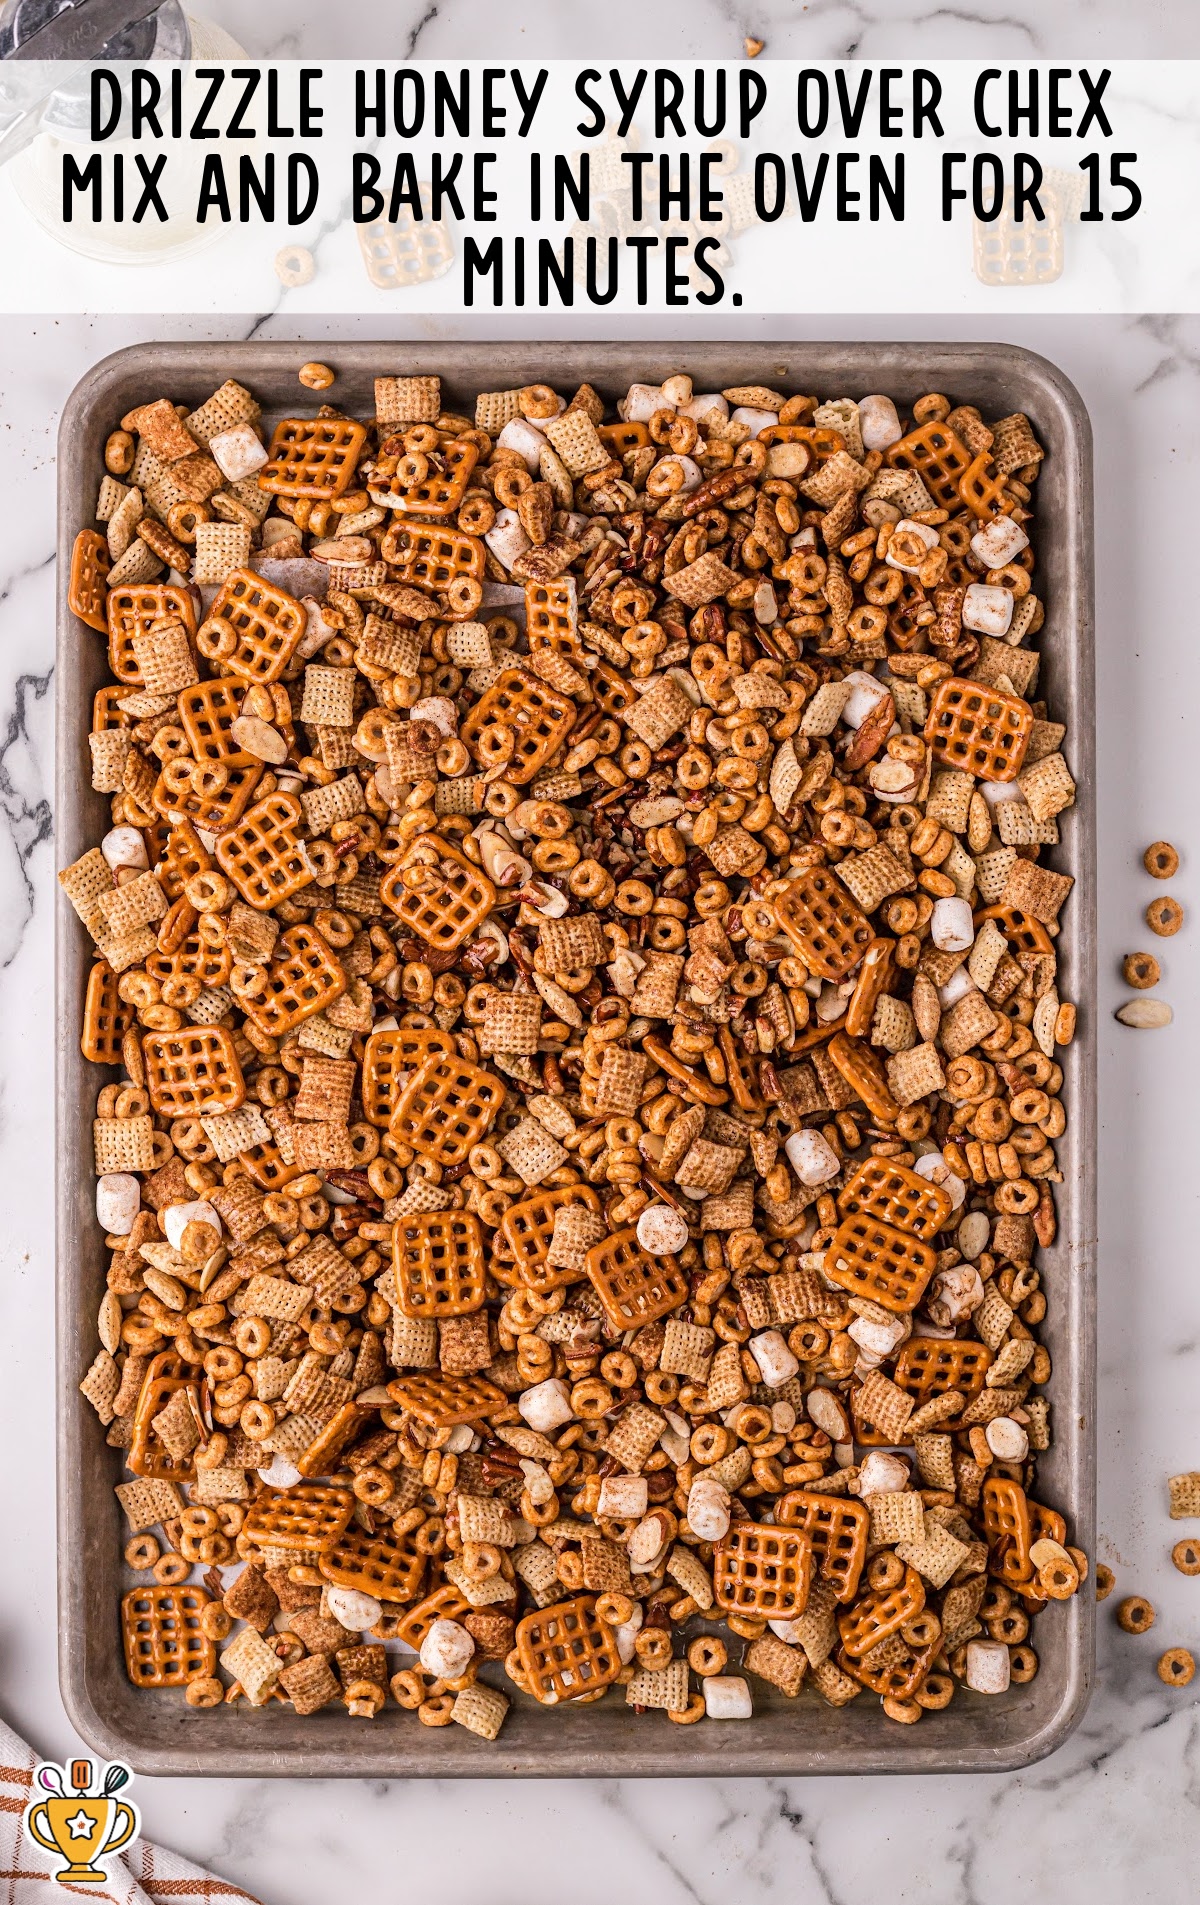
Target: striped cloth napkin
[{"x": 142, "y": 1874}]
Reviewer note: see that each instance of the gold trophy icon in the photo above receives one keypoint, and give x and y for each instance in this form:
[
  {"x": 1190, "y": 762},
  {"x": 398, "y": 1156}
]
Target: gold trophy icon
[{"x": 82, "y": 1827}]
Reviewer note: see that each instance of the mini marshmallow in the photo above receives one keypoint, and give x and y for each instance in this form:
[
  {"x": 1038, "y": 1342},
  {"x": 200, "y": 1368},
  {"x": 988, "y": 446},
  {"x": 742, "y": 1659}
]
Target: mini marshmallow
[
  {"x": 956, "y": 987},
  {"x": 353, "y": 1608},
  {"x": 708, "y": 1509},
  {"x": 783, "y": 1418},
  {"x": 176, "y": 1218},
  {"x": 924, "y": 532},
  {"x": 878, "y": 1339},
  {"x": 812, "y": 1157},
  {"x": 440, "y": 710},
  {"x": 1006, "y": 1439},
  {"x": 987, "y": 1666},
  {"x": 447, "y": 1650},
  {"x": 526, "y": 439},
  {"x": 280, "y": 1473},
  {"x": 462, "y": 1436},
  {"x": 994, "y": 792},
  {"x": 955, "y": 1294},
  {"x": 640, "y": 402},
  {"x": 727, "y": 1697},
  {"x": 627, "y": 1633},
  {"x": 882, "y": 1474},
  {"x": 785, "y": 1630},
  {"x": 999, "y": 541},
  {"x": 756, "y": 421},
  {"x": 827, "y": 1412},
  {"x": 934, "y": 1166},
  {"x": 506, "y": 538},
  {"x": 775, "y": 1360},
  {"x": 124, "y": 847},
  {"x": 865, "y": 694},
  {"x": 118, "y": 1200},
  {"x": 711, "y": 404},
  {"x": 547, "y": 1405},
  {"x": 662, "y": 1230},
  {"x": 238, "y": 453},
  {"x": 879, "y": 422},
  {"x": 677, "y": 389},
  {"x": 624, "y": 1497},
  {"x": 987, "y": 609},
  {"x": 951, "y": 927}
]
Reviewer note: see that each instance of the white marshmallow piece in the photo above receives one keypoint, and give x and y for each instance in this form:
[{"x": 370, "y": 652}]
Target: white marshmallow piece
[
  {"x": 440, "y": 710},
  {"x": 526, "y": 439},
  {"x": 865, "y": 694},
  {"x": 812, "y": 1157},
  {"x": 662, "y": 1230},
  {"x": 987, "y": 1666},
  {"x": 711, "y": 404},
  {"x": 447, "y": 1650},
  {"x": 238, "y": 453},
  {"x": 934, "y": 1166},
  {"x": 727, "y": 1697},
  {"x": 756, "y": 421},
  {"x": 956, "y": 987},
  {"x": 879, "y": 422},
  {"x": 1006, "y": 1439},
  {"x": 995, "y": 792},
  {"x": 999, "y": 541},
  {"x": 640, "y": 402},
  {"x": 506, "y": 538},
  {"x": 176, "y": 1218},
  {"x": 951, "y": 927},
  {"x": 624, "y": 1497},
  {"x": 708, "y": 1509},
  {"x": 882, "y": 1474},
  {"x": 124, "y": 847},
  {"x": 547, "y": 1405},
  {"x": 923, "y": 531},
  {"x": 955, "y": 1294},
  {"x": 353, "y": 1608},
  {"x": 987, "y": 609},
  {"x": 775, "y": 1360},
  {"x": 877, "y": 1339},
  {"x": 627, "y": 1633},
  {"x": 118, "y": 1201}
]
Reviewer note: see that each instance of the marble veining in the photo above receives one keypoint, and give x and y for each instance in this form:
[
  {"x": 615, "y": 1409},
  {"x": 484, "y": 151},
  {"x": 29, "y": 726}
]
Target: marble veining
[{"x": 1115, "y": 1814}]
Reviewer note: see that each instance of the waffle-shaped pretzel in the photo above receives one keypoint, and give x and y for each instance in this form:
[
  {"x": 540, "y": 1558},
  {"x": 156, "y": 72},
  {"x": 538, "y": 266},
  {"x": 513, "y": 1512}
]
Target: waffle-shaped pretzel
[
  {"x": 821, "y": 438},
  {"x": 131, "y": 610},
  {"x": 263, "y": 856},
  {"x": 438, "y": 494},
  {"x": 146, "y": 1455},
  {"x": 634, "y": 1288},
  {"x": 1004, "y": 1511},
  {"x": 181, "y": 854},
  {"x": 303, "y": 978},
  {"x": 877, "y": 1616},
  {"x": 444, "y": 1604},
  {"x": 900, "y": 1679},
  {"x": 106, "y": 714},
  {"x": 214, "y": 812},
  {"x": 388, "y": 1061},
  {"x": 863, "y": 1073},
  {"x": 763, "y": 1570},
  {"x": 192, "y": 1070},
  {"x": 87, "y": 587},
  {"x": 207, "y": 712},
  {"x": 438, "y": 1261},
  {"x": 528, "y": 1227},
  {"x": 312, "y": 456},
  {"x": 1007, "y": 253},
  {"x": 938, "y": 457},
  {"x": 265, "y": 1165},
  {"x": 442, "y": 904},
  {"x": 566, "y": 1650},
  {"x": 550, "y": 618},
  {"x": 978, "y": 729},
  {"x": 444, "y": 1401},
  {"x": 406, "y": 252},
  {"x": 312, "y": 1515},
  {"x": 518, "y": 702},
  {"x": 896, "y": 1196},
  {"x": 252, "y": 627},
  {"x": 432, "y": 558},
  {"x": 611, "y": 690},
  {"x": 823, "y": 923},
  {"x": 165, "y": 1645},
  {"x": 194, "y": 959},
  {"x": 874, "y": 1260},
  {"x": 106, "y": 1017},
  {"x": 837, "y": 1529},
  {"x": 927, "y": 1367},
  {"x": 1023, "y": 933},
  {"x": 387, "y": 1566},
  {"x": 985, "y": 496},
  {"x": 446, "y": 1107}
]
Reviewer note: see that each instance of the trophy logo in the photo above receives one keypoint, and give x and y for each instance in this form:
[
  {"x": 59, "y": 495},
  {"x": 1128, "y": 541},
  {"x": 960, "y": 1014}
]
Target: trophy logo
[{"x": 80, "y": 1826}]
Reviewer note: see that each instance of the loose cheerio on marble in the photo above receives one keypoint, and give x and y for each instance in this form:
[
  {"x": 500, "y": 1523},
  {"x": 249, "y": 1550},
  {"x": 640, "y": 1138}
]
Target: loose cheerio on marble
[{"x": 572, "y": 958}]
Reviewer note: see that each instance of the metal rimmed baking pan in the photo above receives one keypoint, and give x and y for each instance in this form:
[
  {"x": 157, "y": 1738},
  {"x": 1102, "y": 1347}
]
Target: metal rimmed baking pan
[{"x": 157, "y": 1733}]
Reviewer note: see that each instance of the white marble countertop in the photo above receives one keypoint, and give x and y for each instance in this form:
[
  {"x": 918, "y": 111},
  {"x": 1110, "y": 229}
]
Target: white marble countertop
[{"x": 1113, "y": 1816}]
